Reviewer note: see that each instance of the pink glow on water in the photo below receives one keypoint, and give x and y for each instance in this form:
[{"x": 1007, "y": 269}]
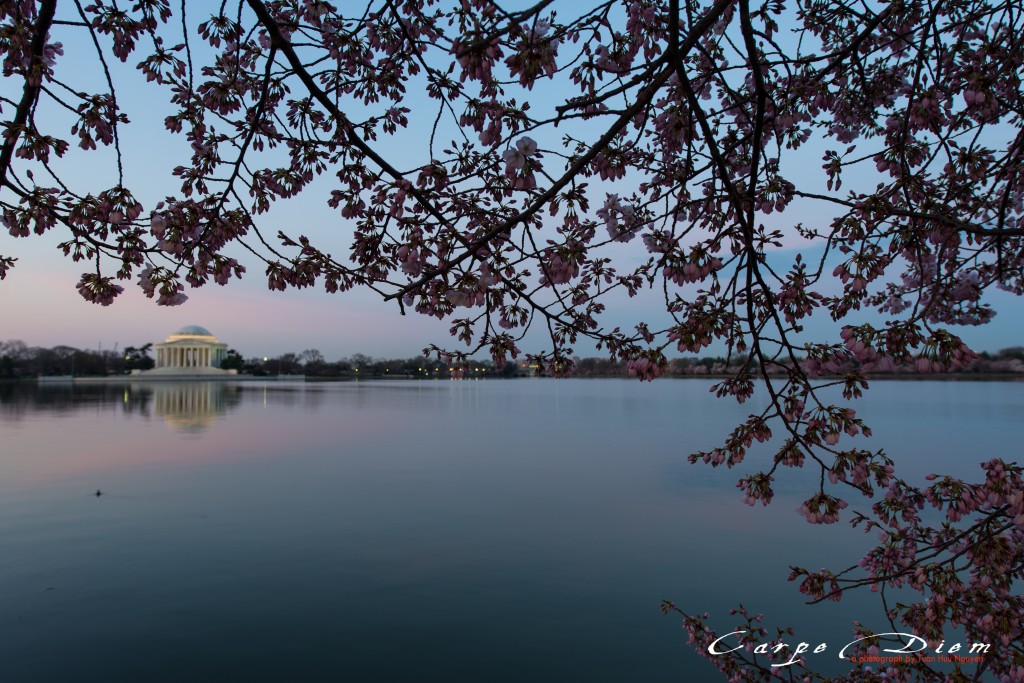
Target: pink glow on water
[{"x": 81, "y": 446}]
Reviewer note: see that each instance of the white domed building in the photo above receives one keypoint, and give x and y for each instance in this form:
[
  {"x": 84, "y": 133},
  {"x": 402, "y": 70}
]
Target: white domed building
[{"x": 190, "y": 351}]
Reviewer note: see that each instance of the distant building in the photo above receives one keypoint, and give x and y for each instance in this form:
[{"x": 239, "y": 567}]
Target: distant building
[{"x": 192, "y": 350}]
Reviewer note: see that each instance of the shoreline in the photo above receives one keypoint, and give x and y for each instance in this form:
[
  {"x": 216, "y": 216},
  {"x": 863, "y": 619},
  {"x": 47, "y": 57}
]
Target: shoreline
[{"x": 131, "y": 379}]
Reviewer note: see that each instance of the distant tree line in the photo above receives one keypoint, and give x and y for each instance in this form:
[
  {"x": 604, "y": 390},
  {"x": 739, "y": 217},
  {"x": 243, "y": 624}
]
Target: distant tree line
[
  {"x": 1009, "y": 361},
  {"x": 20, "y": 361},
  {"x": 312, "y": 364}
]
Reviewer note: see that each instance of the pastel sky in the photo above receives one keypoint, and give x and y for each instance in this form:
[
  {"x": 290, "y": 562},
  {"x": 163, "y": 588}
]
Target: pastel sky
[{"x": 39, "y": 303}]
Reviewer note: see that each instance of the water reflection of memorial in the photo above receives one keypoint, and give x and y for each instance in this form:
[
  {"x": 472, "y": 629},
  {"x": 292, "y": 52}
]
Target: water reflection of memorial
[
  {"x": 182, "y": 405},
  {"x": 192, "y": 406}
]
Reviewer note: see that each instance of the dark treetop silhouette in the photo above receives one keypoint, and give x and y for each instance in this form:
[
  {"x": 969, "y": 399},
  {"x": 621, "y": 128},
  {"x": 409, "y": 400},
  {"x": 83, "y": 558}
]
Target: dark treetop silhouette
[{"x": 701, "y": 113}]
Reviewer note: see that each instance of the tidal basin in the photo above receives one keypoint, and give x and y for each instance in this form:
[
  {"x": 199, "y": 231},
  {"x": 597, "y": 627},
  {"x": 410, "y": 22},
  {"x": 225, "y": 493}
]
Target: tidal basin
[{"x": 419, "y": 530}]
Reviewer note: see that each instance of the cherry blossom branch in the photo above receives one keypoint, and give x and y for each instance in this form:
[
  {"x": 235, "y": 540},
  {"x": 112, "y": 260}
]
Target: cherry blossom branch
[{"x": 34, "y": 76}]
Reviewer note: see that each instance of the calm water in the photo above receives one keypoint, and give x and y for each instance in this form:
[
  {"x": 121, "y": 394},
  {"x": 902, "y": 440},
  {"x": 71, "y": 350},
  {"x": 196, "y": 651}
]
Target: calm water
[{"x": 519, "y": 530}]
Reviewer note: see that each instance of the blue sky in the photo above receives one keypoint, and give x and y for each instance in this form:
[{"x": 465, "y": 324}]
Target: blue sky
[{"x": 39, "y": 303}]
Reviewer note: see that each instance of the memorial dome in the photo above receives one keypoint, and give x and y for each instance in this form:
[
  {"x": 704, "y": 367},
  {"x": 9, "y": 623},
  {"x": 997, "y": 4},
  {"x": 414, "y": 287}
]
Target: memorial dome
[{"x": 193, "y": 331}]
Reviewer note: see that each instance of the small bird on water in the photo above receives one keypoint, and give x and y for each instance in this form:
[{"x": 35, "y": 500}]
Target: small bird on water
[{"x": 98, "y": 493}]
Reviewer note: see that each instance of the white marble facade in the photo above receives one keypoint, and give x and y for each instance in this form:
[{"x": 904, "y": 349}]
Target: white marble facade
[{"x": 192, "y": 349}]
